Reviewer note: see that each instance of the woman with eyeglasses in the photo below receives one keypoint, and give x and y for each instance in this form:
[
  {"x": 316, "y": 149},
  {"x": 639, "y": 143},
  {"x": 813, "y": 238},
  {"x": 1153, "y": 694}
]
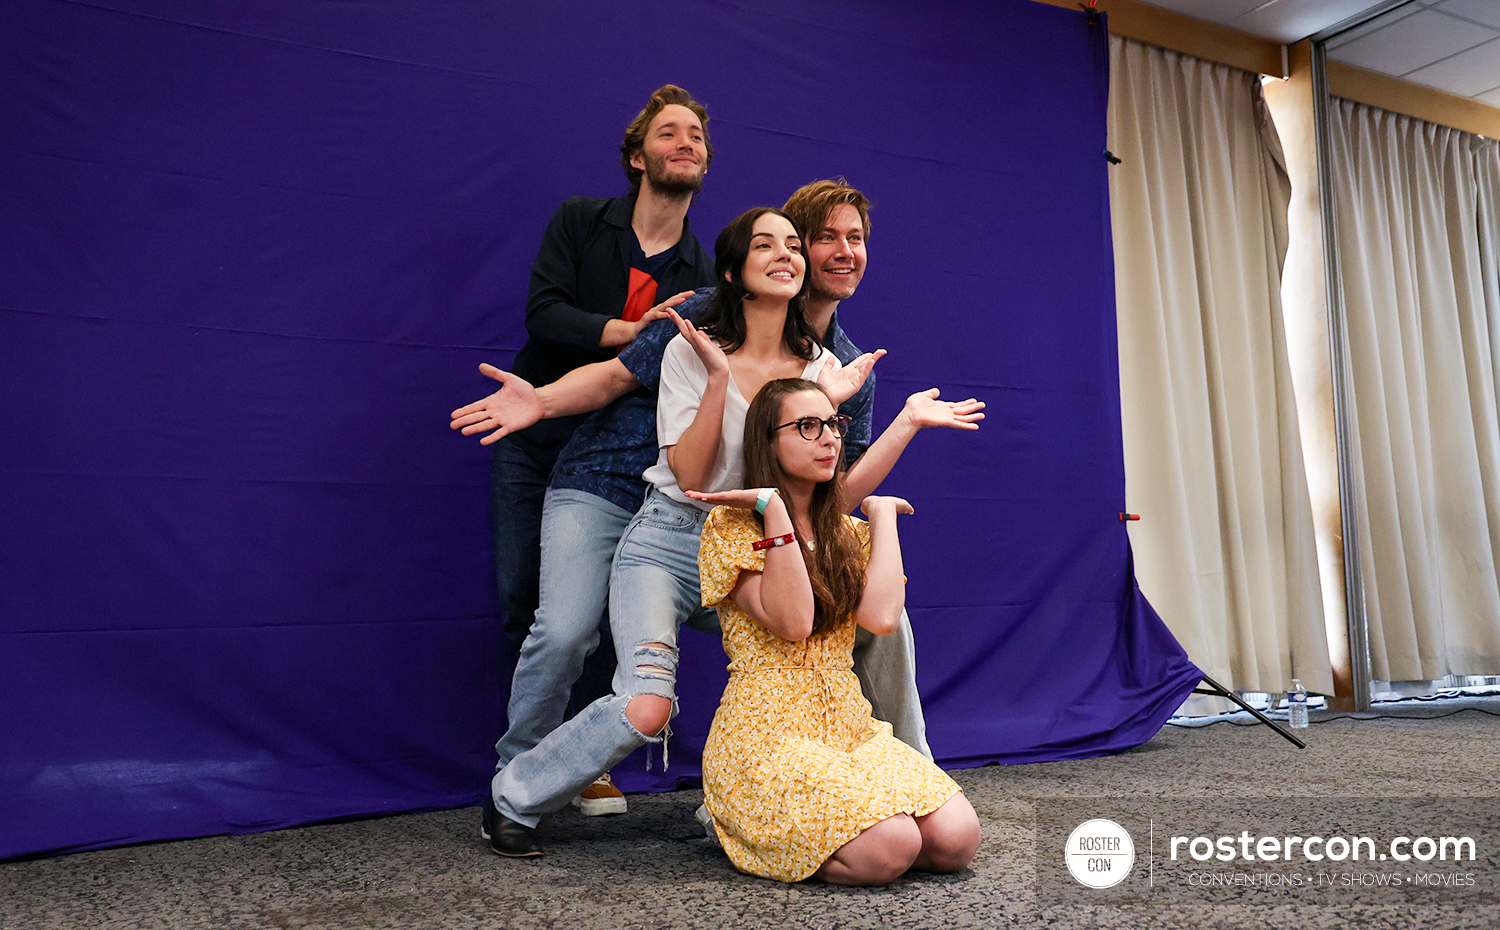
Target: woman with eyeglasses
[{"x": 800, "y": 779}]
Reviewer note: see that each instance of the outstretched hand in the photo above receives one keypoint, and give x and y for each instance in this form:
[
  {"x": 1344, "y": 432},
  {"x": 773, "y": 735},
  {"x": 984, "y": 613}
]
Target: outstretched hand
[
  {"x": 739, "y": 497},
  {"x": 923, "y": 409},
  {"x": 514, "y": 407},
  {"x": 709, "y": 352},
  {"x": 843, "y": 383},
  {"x": 879, "y": 506}
]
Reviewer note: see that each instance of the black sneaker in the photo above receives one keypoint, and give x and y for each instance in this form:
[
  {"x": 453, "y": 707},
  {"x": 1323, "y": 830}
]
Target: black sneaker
[{"x": 507, "y": 838}]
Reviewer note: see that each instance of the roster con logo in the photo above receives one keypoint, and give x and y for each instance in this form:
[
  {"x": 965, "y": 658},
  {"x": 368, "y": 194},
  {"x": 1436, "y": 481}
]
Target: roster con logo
[{"x": 1099, "y": 853}]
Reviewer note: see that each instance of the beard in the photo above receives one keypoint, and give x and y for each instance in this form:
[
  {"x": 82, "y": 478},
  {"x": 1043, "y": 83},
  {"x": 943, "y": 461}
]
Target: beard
[
  {"x": 666, "y": 182},
  {"x": 840, "y": 289}
]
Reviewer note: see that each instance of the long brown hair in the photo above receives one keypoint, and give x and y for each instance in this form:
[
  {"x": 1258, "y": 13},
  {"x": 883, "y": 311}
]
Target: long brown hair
[{"x": 835, "y": 565}]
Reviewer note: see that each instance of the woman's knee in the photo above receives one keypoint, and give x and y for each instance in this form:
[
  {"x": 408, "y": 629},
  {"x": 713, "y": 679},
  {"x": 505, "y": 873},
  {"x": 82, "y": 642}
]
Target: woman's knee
[
  {"x": 952, "y": 851},
  {"x": 950, "y": 836},
  {"x": 649, "y": 713},
  {"x": 902, "y": 843},
  {"x": 656, "y": 668},
  {"x": 884, "y": 852}
]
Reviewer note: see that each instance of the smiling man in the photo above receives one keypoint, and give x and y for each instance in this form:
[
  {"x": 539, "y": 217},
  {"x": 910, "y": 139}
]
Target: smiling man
[
  {"x": 595, "y": 284},
  {"x": 837, "y": 220}
]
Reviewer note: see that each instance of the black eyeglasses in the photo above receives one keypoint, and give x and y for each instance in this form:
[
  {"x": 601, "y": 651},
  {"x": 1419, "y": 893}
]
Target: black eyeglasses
[{"x": 811, "y": 428}]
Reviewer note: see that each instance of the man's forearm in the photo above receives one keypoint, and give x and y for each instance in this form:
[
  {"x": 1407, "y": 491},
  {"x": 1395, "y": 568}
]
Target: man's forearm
[
  {"x": 586, "y": 389},
  {"x": 617, "y": 333}
]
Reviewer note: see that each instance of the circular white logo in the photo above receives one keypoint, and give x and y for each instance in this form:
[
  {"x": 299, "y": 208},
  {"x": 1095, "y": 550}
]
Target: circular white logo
[{"x": 1099, "y": 853}]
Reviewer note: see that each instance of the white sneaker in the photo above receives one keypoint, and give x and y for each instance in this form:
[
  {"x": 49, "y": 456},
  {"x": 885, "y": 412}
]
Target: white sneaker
[
  {"x": 707, "y": 820},
  {"x": 600, "y": 798}
]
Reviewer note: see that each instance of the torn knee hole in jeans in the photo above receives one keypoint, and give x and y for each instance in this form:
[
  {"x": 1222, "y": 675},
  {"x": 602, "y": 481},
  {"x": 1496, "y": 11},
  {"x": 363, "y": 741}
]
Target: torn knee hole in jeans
[{"x": 656, "y": 660}]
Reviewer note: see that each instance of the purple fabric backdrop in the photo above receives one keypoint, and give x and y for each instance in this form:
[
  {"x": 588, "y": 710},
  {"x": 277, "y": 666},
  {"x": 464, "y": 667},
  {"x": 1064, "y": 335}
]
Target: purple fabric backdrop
[{"x": 251, "y": 254}]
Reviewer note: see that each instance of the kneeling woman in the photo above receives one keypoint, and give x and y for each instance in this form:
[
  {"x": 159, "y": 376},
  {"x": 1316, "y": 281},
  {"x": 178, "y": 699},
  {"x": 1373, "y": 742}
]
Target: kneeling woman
[{"x": 800, "y": 779}]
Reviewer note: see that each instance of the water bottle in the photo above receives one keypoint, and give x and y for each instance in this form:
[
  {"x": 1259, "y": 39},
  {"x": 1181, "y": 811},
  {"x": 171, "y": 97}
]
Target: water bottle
[{"x": 1296, "y": 702}]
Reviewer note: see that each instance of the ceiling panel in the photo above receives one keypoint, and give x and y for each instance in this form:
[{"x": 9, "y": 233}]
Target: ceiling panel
[
  {"x": 1214, "y": 11},
  {"x": 1480, "y": 11},
  {"x": 1374, "y": 25},
  {"x": 1465, "y": 74},
  {"x": 1412, "y": 42},
  {"x": 1288, "y": 21}
]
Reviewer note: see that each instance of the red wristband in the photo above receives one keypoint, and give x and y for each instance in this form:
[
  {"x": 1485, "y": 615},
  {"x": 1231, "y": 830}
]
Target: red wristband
[{"x": 774, "y": 541}]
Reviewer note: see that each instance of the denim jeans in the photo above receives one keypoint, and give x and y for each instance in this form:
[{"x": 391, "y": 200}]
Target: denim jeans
[
  {"x": 518, "y": 480},
  {"x": 887, "y": 670},
  {"x": 579, "y": 534},
  {"x": 653, "y": 590}
]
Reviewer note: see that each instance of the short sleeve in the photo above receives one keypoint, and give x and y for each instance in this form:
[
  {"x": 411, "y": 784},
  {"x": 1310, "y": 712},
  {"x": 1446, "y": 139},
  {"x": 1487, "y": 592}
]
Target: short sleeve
[
  {"x": 724, "y": 551},
  {"x": 860, "y": 409},
  {"x": 642, "y": 357},
  {"x": 862, "y": 533}
]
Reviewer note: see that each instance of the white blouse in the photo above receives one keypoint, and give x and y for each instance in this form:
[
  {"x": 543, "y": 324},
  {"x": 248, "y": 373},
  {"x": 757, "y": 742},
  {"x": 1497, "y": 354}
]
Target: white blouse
[{"x": 683, "y": 381}]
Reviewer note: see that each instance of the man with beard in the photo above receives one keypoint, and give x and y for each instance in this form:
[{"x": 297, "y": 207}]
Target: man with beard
[
  {"x": 608, "y": 454},
  {"x": 601, "y": 266}
]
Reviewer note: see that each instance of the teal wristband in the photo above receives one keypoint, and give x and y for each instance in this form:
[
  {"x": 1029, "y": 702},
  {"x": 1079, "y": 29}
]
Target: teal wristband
[{"x": 763, "y": 500}]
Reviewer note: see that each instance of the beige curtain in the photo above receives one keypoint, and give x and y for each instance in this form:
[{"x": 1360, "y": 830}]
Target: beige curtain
[
  {"x": 1417, "y": 240},
  {"x": 1213, "y": 461}
]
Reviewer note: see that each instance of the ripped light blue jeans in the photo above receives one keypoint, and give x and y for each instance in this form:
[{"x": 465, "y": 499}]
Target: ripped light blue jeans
[{"x": 653, "y": 590}]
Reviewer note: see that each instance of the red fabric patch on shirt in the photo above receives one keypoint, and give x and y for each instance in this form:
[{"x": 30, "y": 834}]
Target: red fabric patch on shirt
[{"x": 641, "y": 297}]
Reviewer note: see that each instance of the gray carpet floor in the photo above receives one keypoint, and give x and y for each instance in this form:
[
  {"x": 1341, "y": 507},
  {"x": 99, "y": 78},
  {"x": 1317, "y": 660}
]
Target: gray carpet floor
[{"x": 652, "y": 868}]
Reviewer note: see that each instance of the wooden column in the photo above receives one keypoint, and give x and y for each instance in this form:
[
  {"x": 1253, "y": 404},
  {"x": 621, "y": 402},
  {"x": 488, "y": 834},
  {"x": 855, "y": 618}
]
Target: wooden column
[{"x": 1304, "y": 306}]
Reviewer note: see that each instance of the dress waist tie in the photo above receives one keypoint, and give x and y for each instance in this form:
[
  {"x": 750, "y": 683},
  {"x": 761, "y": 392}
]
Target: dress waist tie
[{"x": 817, "y": 669}]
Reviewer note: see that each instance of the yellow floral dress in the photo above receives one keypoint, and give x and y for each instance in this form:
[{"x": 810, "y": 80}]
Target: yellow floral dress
[{"x": 795, "y": 766}]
